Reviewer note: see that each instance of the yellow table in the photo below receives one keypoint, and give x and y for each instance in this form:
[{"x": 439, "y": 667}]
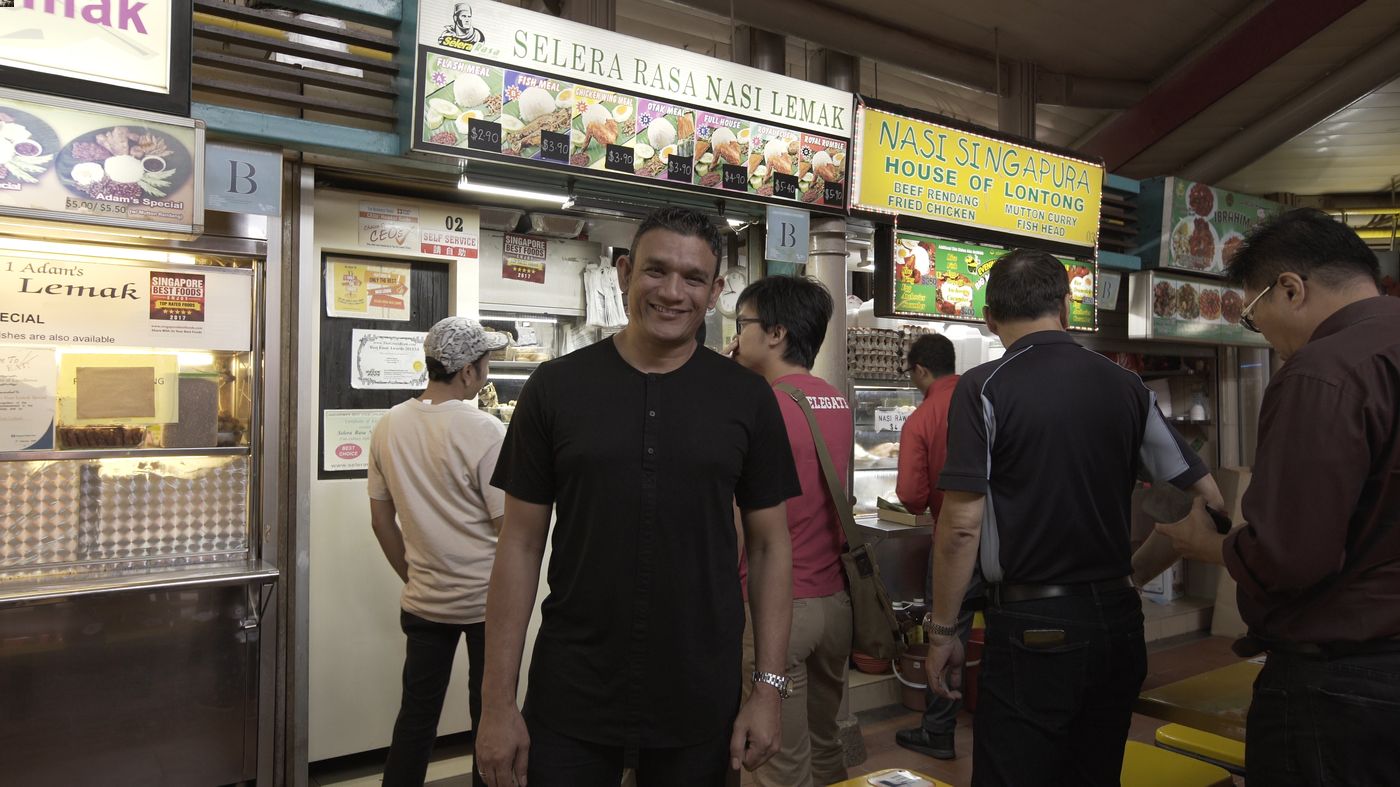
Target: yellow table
[
  {"x": 864, "y": 781},
  {"x": 1215, "y": 701}
]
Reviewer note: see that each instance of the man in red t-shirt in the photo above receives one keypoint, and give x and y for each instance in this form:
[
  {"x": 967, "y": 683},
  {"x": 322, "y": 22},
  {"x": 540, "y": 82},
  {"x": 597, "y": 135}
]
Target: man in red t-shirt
[
  {"x": 923, "y": 446},
  {"x": 782, "y": 321}
]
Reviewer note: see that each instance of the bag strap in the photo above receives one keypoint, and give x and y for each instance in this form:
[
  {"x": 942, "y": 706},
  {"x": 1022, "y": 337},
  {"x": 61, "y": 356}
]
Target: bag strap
[{"x": 835, "y": 490}]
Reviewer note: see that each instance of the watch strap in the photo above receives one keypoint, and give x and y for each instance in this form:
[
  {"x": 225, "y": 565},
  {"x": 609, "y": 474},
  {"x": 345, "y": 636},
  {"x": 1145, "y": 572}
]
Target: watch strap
[
  {"x": 938, "y": 629},
  {"x": 778, "y": 682}
]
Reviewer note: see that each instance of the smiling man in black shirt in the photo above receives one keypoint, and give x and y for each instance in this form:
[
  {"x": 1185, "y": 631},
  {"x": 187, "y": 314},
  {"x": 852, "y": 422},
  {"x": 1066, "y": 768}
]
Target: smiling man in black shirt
[{"x": 641, "y": 444}]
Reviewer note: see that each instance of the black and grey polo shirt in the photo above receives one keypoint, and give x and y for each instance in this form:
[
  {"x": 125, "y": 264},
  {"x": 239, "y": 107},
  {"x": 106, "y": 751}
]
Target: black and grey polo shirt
[{"x": 1056, "y": 435}]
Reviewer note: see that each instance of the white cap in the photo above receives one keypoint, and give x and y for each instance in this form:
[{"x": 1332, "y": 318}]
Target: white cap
[{"x": 458, "y": 341}]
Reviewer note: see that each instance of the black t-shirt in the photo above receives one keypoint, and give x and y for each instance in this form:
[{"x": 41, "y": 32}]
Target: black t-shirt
[
  {"x": 1056, "y": 436},
  {"x": 642, "y": 626}
]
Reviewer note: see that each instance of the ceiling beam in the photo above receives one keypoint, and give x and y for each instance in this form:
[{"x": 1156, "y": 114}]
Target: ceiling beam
[
  {"x": 1254, "y": 45},
  {"x": 1377, "y": 64},
  {"x": 923, "y": 54}
]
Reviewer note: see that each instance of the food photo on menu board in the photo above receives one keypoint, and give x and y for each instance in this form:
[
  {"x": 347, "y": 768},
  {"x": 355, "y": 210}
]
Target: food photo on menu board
[
  {"x": 1204, "y": 226},
  {"x": 1198, "y": 309},
  {"x": 463, "y": 98},
  {"x": 536, "y": 117},
  {"x": 773, "y": 161},
  {"x": 604, "y": 130},
  {"x": 947, "y": 279},
  {"x": 665, "y": 141},
  {"x": 821, "y": 171},
  {"x": 721, "y": 151},
  {"x": 27, "y": 148}
]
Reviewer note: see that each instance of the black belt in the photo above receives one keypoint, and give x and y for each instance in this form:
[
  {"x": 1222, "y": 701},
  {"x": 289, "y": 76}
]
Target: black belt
[
  {"x": 1011, "y": 594},
  {"x": 1250, "y": 645}
]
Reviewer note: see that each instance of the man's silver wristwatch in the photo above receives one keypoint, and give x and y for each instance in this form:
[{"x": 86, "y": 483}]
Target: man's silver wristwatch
[
  {"x": 938, "y": 629},
  {"x": 778, "y": 682}
]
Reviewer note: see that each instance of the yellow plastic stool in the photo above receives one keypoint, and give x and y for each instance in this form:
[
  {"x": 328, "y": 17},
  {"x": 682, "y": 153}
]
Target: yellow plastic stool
[
  {"x": 864, "y": 781},
  {"x": 1148, "y": 766},
  {"x": 1207, "y": 746}
]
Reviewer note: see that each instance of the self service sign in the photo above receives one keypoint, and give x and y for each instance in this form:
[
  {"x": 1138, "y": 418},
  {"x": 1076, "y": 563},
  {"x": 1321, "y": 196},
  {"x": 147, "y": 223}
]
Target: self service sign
[{"x": 907, "y": 166}]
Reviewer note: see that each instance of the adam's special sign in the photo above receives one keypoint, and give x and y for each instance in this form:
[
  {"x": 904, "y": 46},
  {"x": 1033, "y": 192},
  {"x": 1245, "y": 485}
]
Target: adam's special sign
[{"x": 916, "y": 168}]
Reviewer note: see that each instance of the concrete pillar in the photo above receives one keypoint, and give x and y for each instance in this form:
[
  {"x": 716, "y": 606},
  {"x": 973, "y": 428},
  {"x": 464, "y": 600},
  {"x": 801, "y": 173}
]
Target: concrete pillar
[
  {"x": 761, "y": 49},
  {"x": 1016, "y": 107},
  {"x": 827, "y": 264}
]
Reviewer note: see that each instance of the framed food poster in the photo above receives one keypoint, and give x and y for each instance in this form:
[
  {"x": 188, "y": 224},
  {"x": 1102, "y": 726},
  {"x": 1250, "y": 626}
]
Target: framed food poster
[
  {"x": 78, "y": 162},
  {"x": 368, "y": 289},
  {"x": 130, "y": 54},
  {"x": 925, "y": 276},
  {"x": 1195, "y": 226},
  {"x": 1166, "y": 306}
]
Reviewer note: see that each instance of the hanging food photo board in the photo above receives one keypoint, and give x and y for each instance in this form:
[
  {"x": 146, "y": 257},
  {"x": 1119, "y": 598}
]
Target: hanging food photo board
[
  {"x": 505, "y": 84},
  {"x": 1196, "y": 227},
  {"x": 85, "y": 163},
  {"x": 936, "y": 174},
  {"x": 1170, "y": 307}
]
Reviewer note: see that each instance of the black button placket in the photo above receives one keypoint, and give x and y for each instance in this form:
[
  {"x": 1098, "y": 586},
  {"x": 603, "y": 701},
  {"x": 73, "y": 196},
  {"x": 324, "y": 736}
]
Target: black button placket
[{"x": 646, "y": 541}]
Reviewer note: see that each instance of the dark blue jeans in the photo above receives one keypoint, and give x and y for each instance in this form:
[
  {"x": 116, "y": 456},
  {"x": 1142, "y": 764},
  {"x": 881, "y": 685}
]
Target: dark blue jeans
[
  {"x": 1055, "y": 710},
  {"x": 427, "y": 669},
  {"x": 558, "y": 760},
  {"x": 1317, "y": 721}
]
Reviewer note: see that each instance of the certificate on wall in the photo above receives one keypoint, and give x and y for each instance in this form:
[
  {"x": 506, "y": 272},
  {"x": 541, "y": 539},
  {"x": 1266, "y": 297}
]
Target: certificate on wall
[
  {"x": 387, "y": 360},
  {"x": 368, "y": 290},
  {"x": 28, "y": 376},
  {"x": 345, "y": 438}
]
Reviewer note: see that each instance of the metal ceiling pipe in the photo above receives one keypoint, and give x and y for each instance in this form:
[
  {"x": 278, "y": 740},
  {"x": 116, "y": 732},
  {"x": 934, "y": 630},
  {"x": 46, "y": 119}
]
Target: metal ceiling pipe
[
  {"x": 1068, "y": 90},
  {"x": 835, "y": 29},
  {"x": 761, "y": 49},
  {"x": 1363, "y": 74}
]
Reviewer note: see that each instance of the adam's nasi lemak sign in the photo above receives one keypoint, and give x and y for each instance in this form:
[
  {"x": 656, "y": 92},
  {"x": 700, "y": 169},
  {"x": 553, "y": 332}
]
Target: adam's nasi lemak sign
[{"x": 915, "y": 168}]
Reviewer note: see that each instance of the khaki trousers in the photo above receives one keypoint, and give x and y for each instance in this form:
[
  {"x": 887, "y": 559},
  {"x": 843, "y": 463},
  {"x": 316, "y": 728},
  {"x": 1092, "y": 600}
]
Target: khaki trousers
[{"x": 819, "y": 650}]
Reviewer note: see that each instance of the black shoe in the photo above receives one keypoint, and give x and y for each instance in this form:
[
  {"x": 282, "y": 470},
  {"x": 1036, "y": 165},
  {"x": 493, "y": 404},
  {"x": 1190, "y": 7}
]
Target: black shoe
[{"x": 935, "y": 745}]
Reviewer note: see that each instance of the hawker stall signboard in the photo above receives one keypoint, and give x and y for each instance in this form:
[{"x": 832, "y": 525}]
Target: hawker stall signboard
[
  {"x": 123, "y": 52},
  {"x": 78, "y": 162},
  {"x": 907, "y": 166},
  {"x": 1182, "y": 308},
  {"x": 939, "y": 278},
  {"x": 80, "y": 303},
  {"x": 509, "y": 84},
  {"x": 1194, "y": 226}
]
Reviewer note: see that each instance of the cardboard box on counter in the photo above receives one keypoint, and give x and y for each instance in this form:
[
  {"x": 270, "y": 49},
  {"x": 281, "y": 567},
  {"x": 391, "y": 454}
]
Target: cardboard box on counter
[{"x": 1169, "y": 586}]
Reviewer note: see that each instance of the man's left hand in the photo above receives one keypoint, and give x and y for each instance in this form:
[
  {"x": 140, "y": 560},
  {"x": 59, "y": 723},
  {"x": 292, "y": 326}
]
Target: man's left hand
[
  {"x": 944, "y": 667},
  {"x": 758, "y": 730},
  {"x": 1195, "y": 537}
]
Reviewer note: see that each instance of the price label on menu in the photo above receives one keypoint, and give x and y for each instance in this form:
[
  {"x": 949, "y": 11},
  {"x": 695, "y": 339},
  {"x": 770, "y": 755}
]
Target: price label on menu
[
  {"x": 834, "y": 194},
  {"x": 484, "y": 135},
  {"x": 736, "y": 177},
  {"x": 680, "y": 168},
  {"x": 785, "y": 186},
  {"x": 890, "y": 419},
  {"x": 554, "y": 147},
  {"x": 619, "y": 159}
]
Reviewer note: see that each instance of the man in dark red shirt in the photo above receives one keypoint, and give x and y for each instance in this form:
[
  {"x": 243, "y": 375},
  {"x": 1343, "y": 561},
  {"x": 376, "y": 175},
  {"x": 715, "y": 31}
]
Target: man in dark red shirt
[
  {"x": 923, "y": 446},
  {"x": 1318, "y": 556}
]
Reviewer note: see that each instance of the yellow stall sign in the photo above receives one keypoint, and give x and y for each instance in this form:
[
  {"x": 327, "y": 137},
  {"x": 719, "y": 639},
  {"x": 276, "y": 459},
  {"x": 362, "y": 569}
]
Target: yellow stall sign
[{"x": 920, "y": 169}]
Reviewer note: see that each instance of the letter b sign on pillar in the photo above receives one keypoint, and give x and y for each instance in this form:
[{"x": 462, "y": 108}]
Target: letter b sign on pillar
[
  {"x": 788, "y": 235},
  {"x": 242, "y": 180}
]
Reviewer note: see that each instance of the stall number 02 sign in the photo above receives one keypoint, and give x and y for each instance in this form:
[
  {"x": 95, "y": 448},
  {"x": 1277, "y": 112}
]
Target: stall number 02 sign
[{"x": 890, "y": 419}]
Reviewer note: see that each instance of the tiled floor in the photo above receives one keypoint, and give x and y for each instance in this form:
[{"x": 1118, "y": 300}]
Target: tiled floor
[{"x": 1168, "y": 661}]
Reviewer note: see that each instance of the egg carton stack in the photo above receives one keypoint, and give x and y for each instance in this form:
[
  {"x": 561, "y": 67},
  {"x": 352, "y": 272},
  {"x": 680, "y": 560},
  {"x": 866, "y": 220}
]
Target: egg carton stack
[
  {"x": 910, "y": 334},
  {"x": 874, "y": 353}
]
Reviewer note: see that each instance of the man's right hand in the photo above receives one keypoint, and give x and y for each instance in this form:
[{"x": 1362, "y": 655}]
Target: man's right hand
[{"x": 502, "y": 747}]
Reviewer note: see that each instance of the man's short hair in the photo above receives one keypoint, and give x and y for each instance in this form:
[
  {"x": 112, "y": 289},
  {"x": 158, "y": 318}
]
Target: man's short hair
[
  {"x": 687, "y": 223},
  {"x": 1026, "y": 284},
  {"x": 801, "y": 305},
  {"x": 1307, "y": 242},
  {"x": 934, "y": 352},
  {"x": 439, "y": 374}
]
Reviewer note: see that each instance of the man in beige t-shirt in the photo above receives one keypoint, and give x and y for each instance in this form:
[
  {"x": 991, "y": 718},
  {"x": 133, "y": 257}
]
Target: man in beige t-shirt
[{"x": 430, "y": 464}]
